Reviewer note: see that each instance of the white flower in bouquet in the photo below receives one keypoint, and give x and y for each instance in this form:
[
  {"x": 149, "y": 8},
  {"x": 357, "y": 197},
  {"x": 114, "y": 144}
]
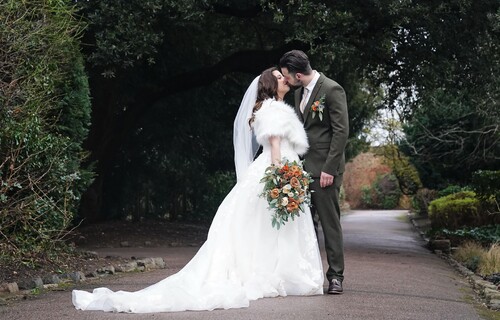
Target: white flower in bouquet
[{"x": 284, "y": 201}]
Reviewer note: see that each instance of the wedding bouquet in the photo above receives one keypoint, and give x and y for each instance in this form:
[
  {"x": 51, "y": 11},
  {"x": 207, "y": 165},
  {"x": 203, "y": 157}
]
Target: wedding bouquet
[{"x": 286, "y": 188}]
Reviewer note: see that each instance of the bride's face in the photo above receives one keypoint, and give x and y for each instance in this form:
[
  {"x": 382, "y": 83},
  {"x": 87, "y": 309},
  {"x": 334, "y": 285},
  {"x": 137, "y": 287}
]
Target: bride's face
[{"x": 283, "y": 87}]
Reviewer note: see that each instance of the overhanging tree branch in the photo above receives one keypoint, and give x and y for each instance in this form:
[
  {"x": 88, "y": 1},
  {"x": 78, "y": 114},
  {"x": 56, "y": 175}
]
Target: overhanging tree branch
[{"x": 247, "y": 61}]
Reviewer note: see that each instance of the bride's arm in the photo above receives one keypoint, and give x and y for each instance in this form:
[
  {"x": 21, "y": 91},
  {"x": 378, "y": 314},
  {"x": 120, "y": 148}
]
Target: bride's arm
[{"x": 275, "y": 141}]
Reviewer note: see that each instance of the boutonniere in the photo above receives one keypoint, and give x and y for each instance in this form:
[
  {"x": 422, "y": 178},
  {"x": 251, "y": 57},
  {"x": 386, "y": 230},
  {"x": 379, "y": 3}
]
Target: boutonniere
[{"x": 318, "y": 107}]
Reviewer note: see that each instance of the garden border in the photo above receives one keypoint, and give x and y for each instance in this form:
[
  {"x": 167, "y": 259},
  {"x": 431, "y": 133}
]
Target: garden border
[{"x": 488, "y": 292}]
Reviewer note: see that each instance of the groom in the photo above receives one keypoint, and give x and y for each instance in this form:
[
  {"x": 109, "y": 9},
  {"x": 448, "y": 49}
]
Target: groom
[{"x": 321, "y": 105}]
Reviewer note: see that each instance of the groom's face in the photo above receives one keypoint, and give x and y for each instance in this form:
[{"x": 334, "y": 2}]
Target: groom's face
[{"x": 291, "y": 78}]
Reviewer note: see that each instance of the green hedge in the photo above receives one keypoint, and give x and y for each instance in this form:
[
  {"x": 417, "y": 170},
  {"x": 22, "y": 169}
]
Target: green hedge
[{"x": 458, "y": 210}]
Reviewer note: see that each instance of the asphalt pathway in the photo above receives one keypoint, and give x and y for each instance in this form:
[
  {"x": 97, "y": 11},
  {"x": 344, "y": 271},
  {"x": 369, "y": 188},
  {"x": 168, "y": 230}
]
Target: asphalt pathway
[{"x": 389, "y": 275}]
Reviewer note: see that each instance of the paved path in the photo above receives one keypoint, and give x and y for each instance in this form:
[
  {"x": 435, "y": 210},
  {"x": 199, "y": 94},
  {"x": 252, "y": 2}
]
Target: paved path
[{"x": 389, "y": 275}]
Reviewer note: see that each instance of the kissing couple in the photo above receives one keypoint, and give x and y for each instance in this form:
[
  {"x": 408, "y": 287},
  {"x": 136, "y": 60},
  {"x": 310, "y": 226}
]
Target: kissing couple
[{"x": 244, "y": 258}]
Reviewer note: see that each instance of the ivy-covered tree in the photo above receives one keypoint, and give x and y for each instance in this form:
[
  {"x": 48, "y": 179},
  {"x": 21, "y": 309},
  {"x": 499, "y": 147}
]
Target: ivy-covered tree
[{"x": 44, "y": 118}]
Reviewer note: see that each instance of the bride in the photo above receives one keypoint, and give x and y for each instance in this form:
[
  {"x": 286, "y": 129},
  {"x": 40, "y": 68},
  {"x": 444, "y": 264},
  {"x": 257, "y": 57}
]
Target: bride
[{"x": 244, "y": 258}]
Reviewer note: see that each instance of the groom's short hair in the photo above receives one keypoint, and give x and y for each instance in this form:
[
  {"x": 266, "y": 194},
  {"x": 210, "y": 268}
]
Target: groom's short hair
[{"x": 296, "y": 61}]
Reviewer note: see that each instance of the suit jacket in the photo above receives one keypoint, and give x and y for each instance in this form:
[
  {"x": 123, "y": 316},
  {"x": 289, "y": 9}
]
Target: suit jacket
[{"x": 327, "y": 137}]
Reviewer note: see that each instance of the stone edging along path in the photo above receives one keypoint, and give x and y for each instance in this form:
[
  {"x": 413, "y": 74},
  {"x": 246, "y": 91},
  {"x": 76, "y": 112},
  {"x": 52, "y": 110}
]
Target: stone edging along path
[
  {"x": 488, "y": 292},
  {"x": 26, "y": 287}
]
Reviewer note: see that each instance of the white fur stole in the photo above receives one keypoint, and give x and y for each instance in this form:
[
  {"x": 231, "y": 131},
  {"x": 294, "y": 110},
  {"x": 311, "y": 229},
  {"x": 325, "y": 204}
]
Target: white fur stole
[{"x": 276, "y": 118}]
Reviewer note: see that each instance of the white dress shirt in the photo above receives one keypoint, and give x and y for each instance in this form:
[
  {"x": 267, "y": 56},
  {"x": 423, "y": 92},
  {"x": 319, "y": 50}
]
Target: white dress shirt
[{"x": 309, "y": 90}]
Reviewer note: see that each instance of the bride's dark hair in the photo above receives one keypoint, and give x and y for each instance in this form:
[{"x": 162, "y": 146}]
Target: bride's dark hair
[{"x": 267, "y": 89}]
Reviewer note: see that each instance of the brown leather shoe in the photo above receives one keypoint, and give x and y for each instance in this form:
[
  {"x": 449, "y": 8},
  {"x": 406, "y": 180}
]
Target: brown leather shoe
[{"x": 335, "y": 287}]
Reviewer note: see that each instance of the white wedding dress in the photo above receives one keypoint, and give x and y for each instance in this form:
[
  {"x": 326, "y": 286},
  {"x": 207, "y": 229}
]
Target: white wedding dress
[{"x": 244, "y": 258}]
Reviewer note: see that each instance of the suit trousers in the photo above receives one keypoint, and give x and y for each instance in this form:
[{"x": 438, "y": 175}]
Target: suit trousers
[{"x": 326, "y": 209}]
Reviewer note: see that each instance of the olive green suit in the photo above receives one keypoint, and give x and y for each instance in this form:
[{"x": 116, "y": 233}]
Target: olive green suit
[{"x": 327, "y": 141}]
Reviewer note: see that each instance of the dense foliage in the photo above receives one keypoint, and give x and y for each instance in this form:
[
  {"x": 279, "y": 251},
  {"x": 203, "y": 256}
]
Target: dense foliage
[
  {"x": 384, "y": 193},
  {"x": 44, "y": 118},
  {"x": 452, "y": 109},
  {"x": 486, "y": 183}
]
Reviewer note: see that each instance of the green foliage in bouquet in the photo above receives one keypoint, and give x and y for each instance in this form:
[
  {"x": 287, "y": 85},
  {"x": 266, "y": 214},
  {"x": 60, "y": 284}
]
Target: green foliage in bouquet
[{"x": 286, "y": 189}]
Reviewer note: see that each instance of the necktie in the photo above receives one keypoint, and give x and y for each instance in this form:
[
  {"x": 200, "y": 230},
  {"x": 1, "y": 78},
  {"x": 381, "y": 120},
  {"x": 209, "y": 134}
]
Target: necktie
[{"x": 303, "y": 102}]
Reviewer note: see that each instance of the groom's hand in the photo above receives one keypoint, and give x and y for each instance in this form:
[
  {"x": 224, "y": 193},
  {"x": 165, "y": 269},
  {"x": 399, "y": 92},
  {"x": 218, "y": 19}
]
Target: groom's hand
[{"x": 325, "y": 180}]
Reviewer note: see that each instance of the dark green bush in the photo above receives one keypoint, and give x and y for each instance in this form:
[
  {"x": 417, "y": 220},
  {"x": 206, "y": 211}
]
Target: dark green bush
[{"x": 486, "y": 184}]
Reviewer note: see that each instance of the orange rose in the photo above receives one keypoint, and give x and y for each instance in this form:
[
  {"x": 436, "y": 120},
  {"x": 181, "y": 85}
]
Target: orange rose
[
  {"x": 297, "y": 173},
  {"x": 292, "y": 205},
  {"x": 314, "y": 108},
  {"x": 275, "y": 193},
  {"x": 295, "y": 183},
  {"x": 287, "y": 176}
]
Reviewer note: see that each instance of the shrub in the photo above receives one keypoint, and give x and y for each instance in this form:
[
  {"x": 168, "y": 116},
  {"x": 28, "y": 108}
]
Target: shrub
[
  {"x": 421, "y": 201},
  {"x": 388, "y": 191},
  {"x": 384, "y": 193},
  {"x": 478, "y": 259},
  {"x": 455, "y": 211},
  {"x": 490, "y": 262},
  {"x": 459, "y": 210},
  {"x": 366, "y": 196},
  {"x": 469, "y": 254}
]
